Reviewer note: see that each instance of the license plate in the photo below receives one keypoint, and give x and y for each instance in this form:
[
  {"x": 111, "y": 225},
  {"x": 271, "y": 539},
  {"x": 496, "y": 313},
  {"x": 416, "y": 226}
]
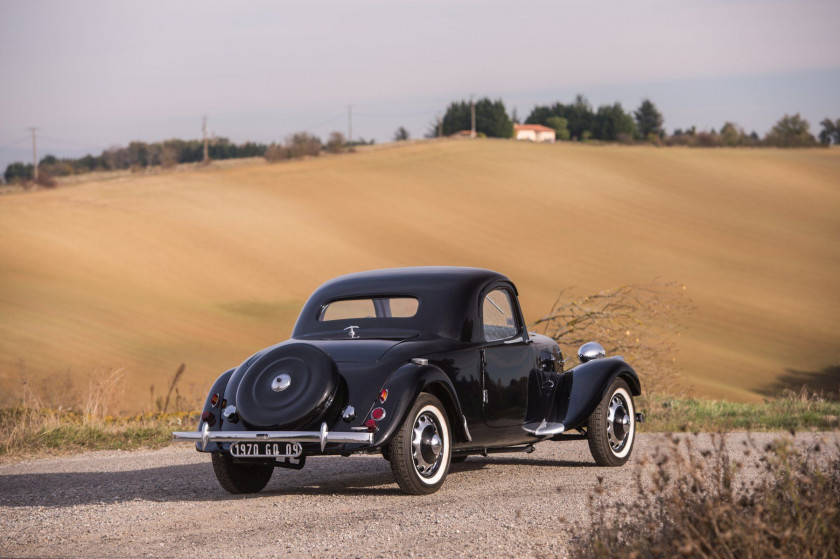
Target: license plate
[{"x": 266, "y": 450}]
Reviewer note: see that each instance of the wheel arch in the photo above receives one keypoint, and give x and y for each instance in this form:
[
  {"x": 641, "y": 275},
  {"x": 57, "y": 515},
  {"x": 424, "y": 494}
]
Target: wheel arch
[
  {"x": 590, "y": 381},
  {"x": 406, "y": 384}
]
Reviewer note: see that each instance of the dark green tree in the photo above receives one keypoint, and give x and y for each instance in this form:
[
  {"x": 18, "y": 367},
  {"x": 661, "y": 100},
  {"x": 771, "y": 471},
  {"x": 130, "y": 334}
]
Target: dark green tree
[
  {"x": 611, "y": 123},
  {"x": 17, "y": 172},
  {"x": 648, "y": 119},
  {"x": 579, "y": 116},
  {"x": 401, "y": 134},
  {"x": 491, "y": 118},
  {"x": 830, "y": 131}
]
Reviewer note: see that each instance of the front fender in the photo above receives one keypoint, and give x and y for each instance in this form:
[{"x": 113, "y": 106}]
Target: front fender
[
  {"x": 589, "y": 383},
  {"x": 217, "y": 388},
  {"x": 405, "y": 385}
]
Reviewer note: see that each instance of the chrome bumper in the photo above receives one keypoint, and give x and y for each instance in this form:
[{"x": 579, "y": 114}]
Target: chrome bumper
[{"x": 323, "y": 436}]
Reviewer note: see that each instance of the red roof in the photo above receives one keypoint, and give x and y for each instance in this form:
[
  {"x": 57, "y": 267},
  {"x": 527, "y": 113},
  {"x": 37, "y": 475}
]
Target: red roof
[{"x": 534, "y": 127}]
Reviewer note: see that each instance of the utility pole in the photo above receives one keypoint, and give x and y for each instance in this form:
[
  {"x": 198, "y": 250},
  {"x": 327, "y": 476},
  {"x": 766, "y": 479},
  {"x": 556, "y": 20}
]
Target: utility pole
[
  {"x": 34, "y": 156},
  {"x": 472, "y": 115},
  {"x": 349, "y": 123},
  {"x": 204, "y": 133}
]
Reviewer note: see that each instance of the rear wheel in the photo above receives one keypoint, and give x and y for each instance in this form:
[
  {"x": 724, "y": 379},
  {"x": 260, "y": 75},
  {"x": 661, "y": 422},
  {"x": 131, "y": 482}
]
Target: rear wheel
[
  {"x": 611, "y": 429},
  {"x": 241, "y": 477},
  {"x": 421, "y": 449}
]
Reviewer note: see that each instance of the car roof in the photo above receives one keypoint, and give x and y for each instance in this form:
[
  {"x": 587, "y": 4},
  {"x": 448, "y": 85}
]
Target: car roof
[{"x": 449, "y": 298}]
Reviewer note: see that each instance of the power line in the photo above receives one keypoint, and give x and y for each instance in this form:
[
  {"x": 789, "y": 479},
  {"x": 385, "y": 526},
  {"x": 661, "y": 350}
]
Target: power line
[{"x": 26, "y": 139}]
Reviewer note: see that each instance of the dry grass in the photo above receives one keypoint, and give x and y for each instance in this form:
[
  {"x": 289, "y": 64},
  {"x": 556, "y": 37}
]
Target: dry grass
[
  {"x": 690, "y": 504},
  {"x": 84, "y": 420},
  {"x": 143, "y": 273}
]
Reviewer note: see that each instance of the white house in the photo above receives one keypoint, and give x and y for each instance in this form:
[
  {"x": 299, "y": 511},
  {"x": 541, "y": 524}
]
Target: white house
[{"x": 534, "y": 132}]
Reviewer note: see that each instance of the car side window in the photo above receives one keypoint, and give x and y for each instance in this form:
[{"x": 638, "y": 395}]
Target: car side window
[{"x": 499, "y": 322}]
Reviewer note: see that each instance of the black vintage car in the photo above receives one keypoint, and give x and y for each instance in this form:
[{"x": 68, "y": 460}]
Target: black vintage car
[{"x": 423, "y": 365}]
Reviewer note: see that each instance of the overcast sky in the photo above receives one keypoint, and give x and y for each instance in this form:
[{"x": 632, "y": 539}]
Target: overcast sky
[{"x": 94, "y": 74}]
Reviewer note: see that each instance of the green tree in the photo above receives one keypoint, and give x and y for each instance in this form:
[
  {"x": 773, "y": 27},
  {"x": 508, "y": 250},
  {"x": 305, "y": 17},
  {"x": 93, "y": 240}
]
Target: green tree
[
  {"x": 790, "y": 131},
  {"x": 560, "y": 126},
  {"x": 612, "y": 122},
  {"x": 491, "y": 118},
  {"x": 731, "y": 135},
  {"x": 578, "y": 115},
  {"x": 401, "y": 134},
  {"x": 17, "y": 172},
  {"x": 829, "y": 131},
  {"x": 648, "y": 119}
]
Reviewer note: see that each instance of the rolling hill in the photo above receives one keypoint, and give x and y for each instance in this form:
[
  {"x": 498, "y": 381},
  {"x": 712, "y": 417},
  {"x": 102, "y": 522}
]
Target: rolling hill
[{"x": 206, "y": 266}]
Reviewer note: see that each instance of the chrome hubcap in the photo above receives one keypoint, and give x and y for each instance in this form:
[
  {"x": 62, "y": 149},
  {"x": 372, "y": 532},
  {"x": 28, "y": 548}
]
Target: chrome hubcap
[
  {"x": 426, "y": 445},
  {"x": 618, "y": 423}
]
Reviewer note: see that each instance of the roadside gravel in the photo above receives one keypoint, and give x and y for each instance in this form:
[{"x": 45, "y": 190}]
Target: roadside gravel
[{"x": 167, "y": 503}]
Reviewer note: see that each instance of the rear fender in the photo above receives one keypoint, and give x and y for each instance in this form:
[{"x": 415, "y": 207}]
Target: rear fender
[
  {"x": 218, "y": 388},
  {"x": 404, "y": 386},
  {"x": 589, "y": 382}
]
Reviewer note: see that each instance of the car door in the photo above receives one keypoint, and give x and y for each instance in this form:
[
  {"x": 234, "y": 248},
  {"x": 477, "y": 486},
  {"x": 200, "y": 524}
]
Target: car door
[{"x": 507, "y": 358}]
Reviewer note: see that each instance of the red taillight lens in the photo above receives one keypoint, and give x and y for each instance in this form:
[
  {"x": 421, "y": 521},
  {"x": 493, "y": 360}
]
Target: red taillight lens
[
  {"x": 383, "y": 395},
  {"x": 377, "y": 414},
  {"x": 371, "y": 425},
  {"x": 214, "y": 400},
  {"x": 208, "y": 418}
]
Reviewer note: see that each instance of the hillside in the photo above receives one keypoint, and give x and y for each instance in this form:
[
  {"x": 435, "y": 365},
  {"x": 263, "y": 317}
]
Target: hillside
[{"x": 204, "y": 267}]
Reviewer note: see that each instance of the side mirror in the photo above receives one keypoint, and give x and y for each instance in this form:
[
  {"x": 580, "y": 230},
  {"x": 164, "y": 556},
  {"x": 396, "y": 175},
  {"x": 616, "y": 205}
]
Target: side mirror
[{"x": 590, "y": 351}]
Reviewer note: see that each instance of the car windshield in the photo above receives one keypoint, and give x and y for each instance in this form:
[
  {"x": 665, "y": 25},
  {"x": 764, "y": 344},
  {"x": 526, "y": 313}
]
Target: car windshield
[{"x": 373, "y": 307}]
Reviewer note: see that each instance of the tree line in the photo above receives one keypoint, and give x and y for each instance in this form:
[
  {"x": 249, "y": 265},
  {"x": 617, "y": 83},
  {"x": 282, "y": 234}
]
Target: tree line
[
  {"x": 580, "y": 121},
  {"x": 575, "y": 121},
  {"x": 139, "y": 156}
]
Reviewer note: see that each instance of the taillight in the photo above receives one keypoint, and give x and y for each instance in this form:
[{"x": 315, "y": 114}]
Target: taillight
[
  {"x": 371, "y": 425},
  {"x": 383, "y": 395},
  {"x": 378, "y": 414},
  {"x": 208, "y": 418},
  {"x": 214, "y": 400}
]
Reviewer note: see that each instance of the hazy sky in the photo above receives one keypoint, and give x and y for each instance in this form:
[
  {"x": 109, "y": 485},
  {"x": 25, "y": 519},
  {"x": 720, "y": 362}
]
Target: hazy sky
[{"x": 93, "y": 74}]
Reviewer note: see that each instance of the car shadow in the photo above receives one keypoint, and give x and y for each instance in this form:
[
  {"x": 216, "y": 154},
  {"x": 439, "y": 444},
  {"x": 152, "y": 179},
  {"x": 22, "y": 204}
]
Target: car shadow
[{"x": 196, "y": 482}]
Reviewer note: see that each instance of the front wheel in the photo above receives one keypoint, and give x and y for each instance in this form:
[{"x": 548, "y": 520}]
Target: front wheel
[
  {"x": 611, "y": 429},
  {"x": 241, "y": 477},
  {"x": 420, "y": 452}
]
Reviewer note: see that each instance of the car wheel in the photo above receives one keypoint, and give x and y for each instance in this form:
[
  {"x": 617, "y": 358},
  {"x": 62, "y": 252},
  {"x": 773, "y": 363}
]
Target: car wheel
[
  {"x": 611, "y": 429},
  {"x": 421, "y": 449},
  {"x": 241, "y": 477}
]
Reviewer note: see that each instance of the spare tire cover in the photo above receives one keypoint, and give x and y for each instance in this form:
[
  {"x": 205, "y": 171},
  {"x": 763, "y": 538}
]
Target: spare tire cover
[{"x": 287, "y": 385}]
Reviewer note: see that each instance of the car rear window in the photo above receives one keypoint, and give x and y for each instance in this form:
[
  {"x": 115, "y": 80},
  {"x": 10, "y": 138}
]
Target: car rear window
[{"x": 374, "y": 307}]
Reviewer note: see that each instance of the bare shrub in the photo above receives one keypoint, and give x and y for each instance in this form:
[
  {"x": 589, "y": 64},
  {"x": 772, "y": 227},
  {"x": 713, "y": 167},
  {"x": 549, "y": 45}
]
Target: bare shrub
[
  {"x": 45, "y": 180},
  {"x": 636, "y": 321},
  {"x": 708, "y": 140},
  {"x": 275, "y": 153},
  {"x": 689, "y": 503},
  {"x": 302, "y": 144},
  {"x": 336, "y": 143}
]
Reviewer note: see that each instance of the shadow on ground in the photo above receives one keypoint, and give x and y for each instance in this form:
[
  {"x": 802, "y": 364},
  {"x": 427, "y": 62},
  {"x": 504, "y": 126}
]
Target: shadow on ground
[
  {"x": 825, "y": 381},
  {"x": 196, "y": 482}
]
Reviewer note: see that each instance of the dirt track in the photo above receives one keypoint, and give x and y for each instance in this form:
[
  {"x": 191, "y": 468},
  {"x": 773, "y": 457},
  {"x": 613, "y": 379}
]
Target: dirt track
[{"x": 166, "y": 503}]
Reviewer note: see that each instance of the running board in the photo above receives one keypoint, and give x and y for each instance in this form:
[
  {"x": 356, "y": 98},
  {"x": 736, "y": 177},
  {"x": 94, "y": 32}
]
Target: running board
[{"x": 544, "y": 429}]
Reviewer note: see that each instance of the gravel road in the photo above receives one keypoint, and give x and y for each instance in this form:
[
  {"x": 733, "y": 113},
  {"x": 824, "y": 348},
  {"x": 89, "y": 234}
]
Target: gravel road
[{"x": 167, "y": 503}]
